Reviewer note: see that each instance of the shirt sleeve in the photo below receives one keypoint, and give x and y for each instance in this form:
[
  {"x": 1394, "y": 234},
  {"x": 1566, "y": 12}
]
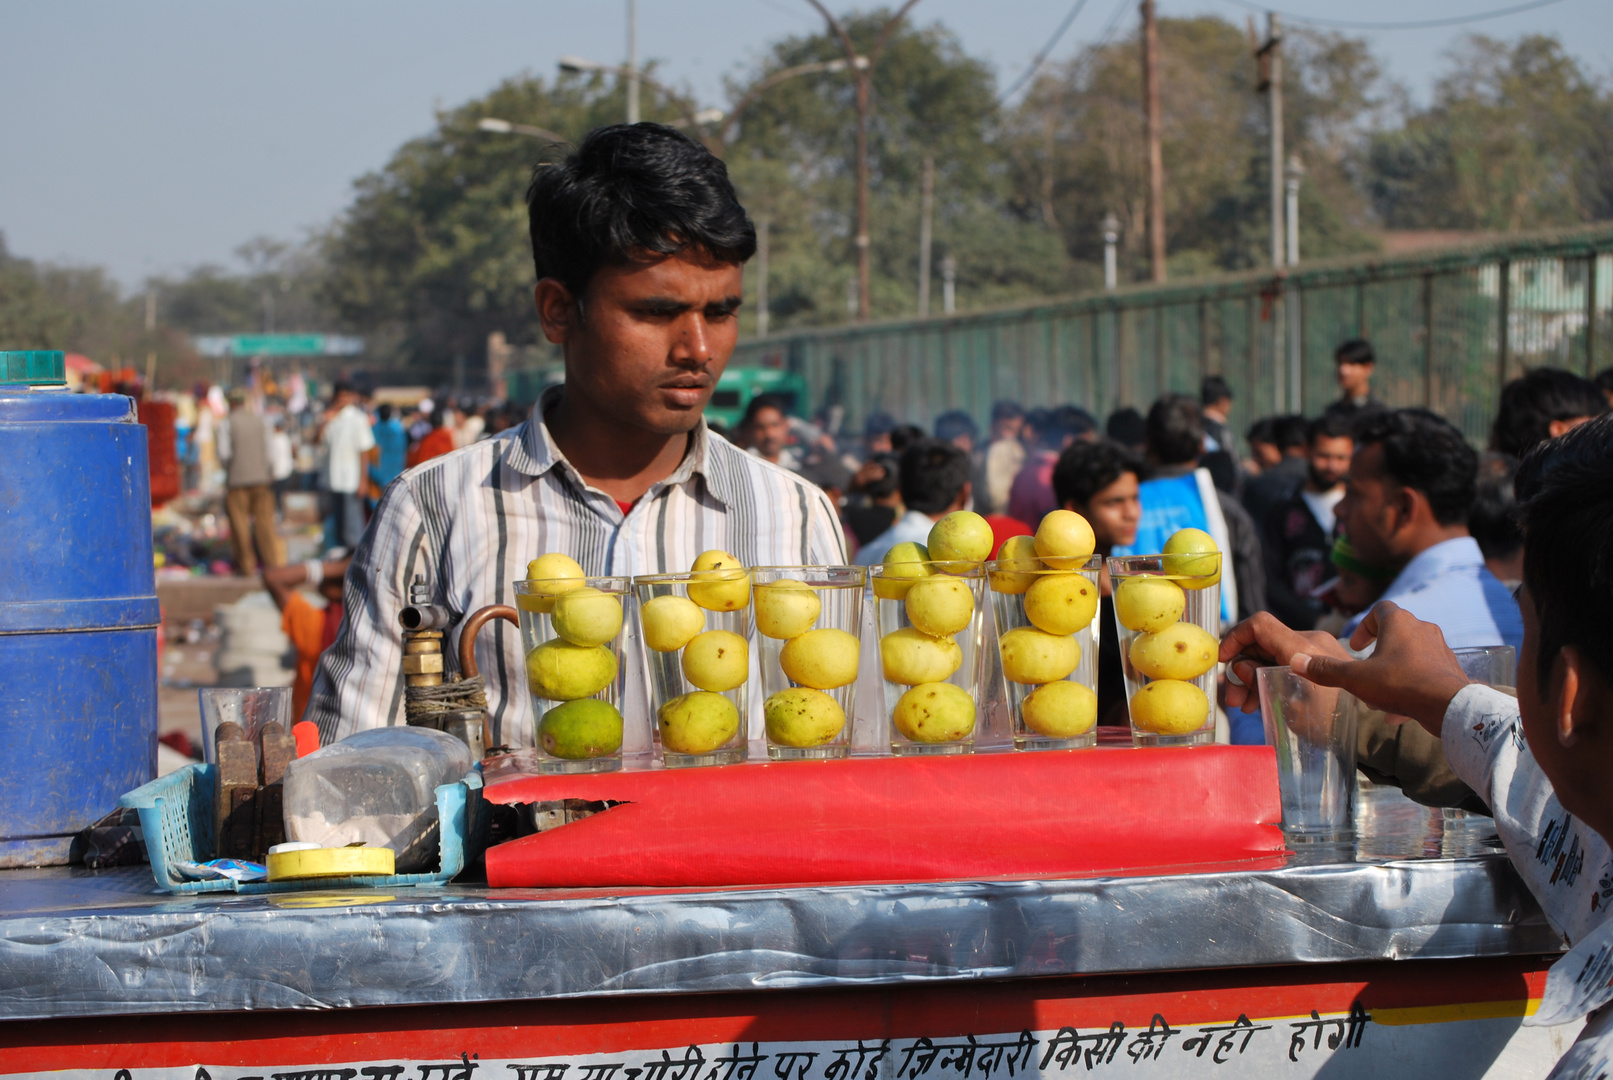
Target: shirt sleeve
[
  {"x": 359, "y": 683},
  {"x": 1561, "y": 860}
]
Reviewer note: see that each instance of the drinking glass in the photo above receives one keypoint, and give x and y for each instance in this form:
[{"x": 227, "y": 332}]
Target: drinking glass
[
  {"x": 1168, "y": 621},
  {"x": 1047, "y": 622},
  {"x": 1312, "y": 729},
  {"x": 695, "y": 628},
  {"x": 930, "y": 665},
  {"x": 574, "y": 670},
  {"x": 808, "y": 622}
]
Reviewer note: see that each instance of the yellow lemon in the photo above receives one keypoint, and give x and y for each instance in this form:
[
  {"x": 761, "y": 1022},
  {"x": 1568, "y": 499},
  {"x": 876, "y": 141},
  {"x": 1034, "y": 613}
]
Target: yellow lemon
[
  {"x": 1065, "y": 540},
  {"x": 551, "y": 575},
  {"x": 801, "y": 717},
  {"x": 1060, "y": 710},
  {"x": 716, "y": 660},
  {"x": 1196, "y": 558},
  {"x": 1034, "y": 656},
  {"x": 1016, "y": 563},
  {"x": 821, "y": 659},
  {"x": 1062, "y": 603},
  {"x": 1169, "y": 707},
  {"x": 940, "y": 605},
  {"x": 671, "y": 622},
  {"x": 1181, "y": 651},
  {"x": 587, "y": 616},
  {"x": 903, "y": 564},
  {"x": 786, "y": 608},
  {"x": 935, "y": 712},
  {"x": 909, "y": 657},
  {"x": 721, "y": 584},
  {"x": 1148, "y": 603}
]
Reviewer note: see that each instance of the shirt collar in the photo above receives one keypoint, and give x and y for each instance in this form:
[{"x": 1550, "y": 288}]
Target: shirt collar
[
  {"x": 533, "y": 452},
  {"x": 1432, "y": 562}
]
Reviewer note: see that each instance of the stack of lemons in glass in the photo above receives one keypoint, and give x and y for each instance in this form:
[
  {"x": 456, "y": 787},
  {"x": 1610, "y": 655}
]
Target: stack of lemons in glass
[{"x": 714, "y": 661}]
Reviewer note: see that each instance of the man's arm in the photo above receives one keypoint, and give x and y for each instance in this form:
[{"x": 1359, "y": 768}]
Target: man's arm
[{"x": 359, "y": 683}]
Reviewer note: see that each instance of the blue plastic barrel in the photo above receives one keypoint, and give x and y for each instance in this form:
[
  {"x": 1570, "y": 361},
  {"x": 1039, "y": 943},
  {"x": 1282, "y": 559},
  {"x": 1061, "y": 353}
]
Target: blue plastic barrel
[{"x": 78, "y": 611}]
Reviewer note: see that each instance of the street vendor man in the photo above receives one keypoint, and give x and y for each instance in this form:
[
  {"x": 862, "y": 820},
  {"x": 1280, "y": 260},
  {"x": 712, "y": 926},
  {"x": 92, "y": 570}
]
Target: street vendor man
[{"x": 639, "y": 243}]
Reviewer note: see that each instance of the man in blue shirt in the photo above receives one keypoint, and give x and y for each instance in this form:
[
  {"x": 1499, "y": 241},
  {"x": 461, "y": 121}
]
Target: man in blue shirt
[
  {"x": 1406, "y": 501},
  {"x": 392, "y": 446},
  {"x": 934, "y": 478}
]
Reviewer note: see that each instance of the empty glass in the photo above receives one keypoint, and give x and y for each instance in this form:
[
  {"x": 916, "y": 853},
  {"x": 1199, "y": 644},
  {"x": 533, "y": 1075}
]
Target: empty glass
[
  {"x": 1312, "y": 729},
  {"x": 808, "y": 622},
  {"x": 1492, "y": 665},
  {"x": 251, "y": 707}
]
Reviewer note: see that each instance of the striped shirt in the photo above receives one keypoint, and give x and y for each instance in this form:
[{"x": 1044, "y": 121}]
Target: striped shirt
[{"x": 471, "y": 520}]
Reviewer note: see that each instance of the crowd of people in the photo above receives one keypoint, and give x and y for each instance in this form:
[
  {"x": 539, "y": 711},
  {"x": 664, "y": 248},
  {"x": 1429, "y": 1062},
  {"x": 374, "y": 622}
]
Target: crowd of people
[{"x": 1321, "y": 518}]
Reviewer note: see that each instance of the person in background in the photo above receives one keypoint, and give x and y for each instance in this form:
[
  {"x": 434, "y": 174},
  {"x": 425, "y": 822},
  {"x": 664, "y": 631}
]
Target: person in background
[
  {"x": 349, "y": 445},
  {"x": 1353, "y": 362},
  {"x": 1128, "y": 428},
  {"x": 1540, "y": 758},
  {"x": 1263, "y": 449},
  {"x": 904, "y": 435},
  {"x": 1493, "y": 521},
  {"x": 282, "y": 458},
  {"x": 391, "y": 448},
  {"x": 1354, "y": 588},
  {"x": 1299, "y": 533},
  {"x": 879, "y": 480},
  {"x": 1215, "y": 399},
  {"x": 471, "y": 425},
  {"x": 1031, "y": 496},
  {"x": 934, "y": 480},
  {"x": 1004, "y": 457},
  {"x": 765, "y": 431},
  {"x": 438, "y": 440},
  {"x": 1180, "y": 495},
  {"x": 420, "y": 425},
  {"x": 243, "y": 447},
  {"x": 1277, "y": 482},
  {"x": 958, "y": 428},
  {"x": 1604, "y": 383},
  {"x": 1099, "y": 480},
  {"x": 310, "y": 629},
  {"x": 1407, "y": 496},
  {"x": 1545, "y": 403}
]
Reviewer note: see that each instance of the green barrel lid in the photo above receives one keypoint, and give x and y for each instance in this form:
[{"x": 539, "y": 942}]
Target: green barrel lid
[{"x": 33, "y": 367}]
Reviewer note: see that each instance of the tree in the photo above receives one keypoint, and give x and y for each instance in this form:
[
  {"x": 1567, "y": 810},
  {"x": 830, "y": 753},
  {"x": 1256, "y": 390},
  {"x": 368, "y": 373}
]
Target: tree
[
  {"x": 1079, "y": 153},
  {"x": 1518, "y": 137}
]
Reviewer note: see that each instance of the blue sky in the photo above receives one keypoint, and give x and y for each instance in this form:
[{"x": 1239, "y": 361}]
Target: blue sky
[{"x": 153, "y": 137}]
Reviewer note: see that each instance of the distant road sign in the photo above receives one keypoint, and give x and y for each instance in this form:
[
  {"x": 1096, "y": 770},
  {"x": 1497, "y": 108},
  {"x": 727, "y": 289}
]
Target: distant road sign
[{"x": 279, "y": 345}]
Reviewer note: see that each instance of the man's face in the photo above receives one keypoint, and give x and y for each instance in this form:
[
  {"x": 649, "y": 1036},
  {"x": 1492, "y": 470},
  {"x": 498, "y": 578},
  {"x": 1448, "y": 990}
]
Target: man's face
[
  {"x": 1371, "y": 507},
  {"x": 1114, "y": 512},
  {"x": 1355, "y": 380},
  {"x": 964, "y": 442},
  {"x": 1266, "y": 454},
  {"x": 651, "y": 340},
  {"x": 1329, "y": 460},
  {"x": 1007, "y": 428},
  {"x": 769, "y": 432},
  {"x": 1539, "y": 716}
]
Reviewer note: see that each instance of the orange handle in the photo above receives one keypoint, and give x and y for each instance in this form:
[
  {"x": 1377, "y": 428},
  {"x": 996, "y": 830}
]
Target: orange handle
[{"x": 473, "y": 626}]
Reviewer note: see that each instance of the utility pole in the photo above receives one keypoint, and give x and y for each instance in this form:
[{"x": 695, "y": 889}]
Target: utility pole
[
  {"x": 1296, "y": 172},
  {"x": 151, "y": 328},
  {"x": 1271, "y": 83},
  {"x": 632, "y": 61},
  {"x": 1156, "y": 159},
  {"x": 863, "y": 66},
  {"x": 926, "y": 213},
  {"x": 1111, "y": 237},
  {"x": 949, "y": 284},
  {"x": 764, "y": 226}
]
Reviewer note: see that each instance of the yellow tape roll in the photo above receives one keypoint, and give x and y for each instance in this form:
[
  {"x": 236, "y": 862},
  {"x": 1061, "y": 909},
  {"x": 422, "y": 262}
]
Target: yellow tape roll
[{"x": 331, "y": 862}]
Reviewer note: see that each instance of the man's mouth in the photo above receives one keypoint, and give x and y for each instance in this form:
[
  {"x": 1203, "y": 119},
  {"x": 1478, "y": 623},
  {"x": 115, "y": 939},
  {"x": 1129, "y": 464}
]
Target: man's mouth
[{"x": 685, "y": 392}]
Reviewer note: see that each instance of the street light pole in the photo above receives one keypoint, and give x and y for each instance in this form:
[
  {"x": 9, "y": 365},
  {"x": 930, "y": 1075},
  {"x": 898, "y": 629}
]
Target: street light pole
[
  {"x": 504, "y": 127},
  {"x": 632, "y": 61},
  {"x": 1111, "y": 236},
  {"x": 926, "y": 212},
  {"x": 1296, "y": 171},
  {"x": 865, "y": 73}
]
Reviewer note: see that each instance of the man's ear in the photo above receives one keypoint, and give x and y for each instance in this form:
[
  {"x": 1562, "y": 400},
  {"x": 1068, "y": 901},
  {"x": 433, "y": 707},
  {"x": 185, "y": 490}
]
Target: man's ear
[
  {"x": 557, "y": 310},
  {"x": 1580, "y": 705},
  {"x": 964, "y": 495}
]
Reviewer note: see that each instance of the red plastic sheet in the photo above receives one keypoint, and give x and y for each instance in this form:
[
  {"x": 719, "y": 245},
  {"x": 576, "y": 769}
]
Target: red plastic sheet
[{"x": 1032, "y": 815}]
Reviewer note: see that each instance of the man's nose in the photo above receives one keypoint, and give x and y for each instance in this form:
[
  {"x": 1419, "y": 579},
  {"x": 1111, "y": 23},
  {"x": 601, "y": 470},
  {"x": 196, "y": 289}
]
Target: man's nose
[{"x": 693, "y": 344}]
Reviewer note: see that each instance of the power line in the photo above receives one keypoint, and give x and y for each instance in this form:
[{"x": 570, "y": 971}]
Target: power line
[
  {"x": 1053, "y": 41},
  {"x": 1422, "y": 24},
  {"x": 1086, "y": 58}
]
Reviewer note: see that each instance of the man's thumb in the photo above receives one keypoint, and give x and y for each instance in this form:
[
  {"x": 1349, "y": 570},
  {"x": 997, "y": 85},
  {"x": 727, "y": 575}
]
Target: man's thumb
[{"x": 1321, "y": 670}]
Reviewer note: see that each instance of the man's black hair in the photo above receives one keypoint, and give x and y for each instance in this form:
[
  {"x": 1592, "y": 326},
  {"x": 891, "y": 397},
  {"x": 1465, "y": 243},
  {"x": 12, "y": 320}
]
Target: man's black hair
[
  {"x": 1127, "y": 427},
  {"x": 889, "y": 482},
  {"x": 632, "y": 188},
  {"x": 1175, "y": 430},
  {"x": 764, "y": 401},
  {"x": 1529, "y": 405},
  {"x": 932, "y": 473},
  {"x": 878, "y": 423},
  {"x": 1604, "y": 380},
  {"x": 1493, "y": 521},
  {"x": 1007, "y": 410},
  {"x": 1086, "y": 468},
  {"x": 1566, "y": 490},
  {"x": 1213, "y": 389},
  {"x": 1263, "y": 430},
  {"x": 1073, "y": 422},
  {"x": 342, "y": 386},
  {"x": 1289, "y": 432},
  {"x": 1424, "y": 451},
  {"x": 1354, "y": 351},
  {"x": 384, "y": 412},
  {"x": 949, "y": 425},
  {"x": 905, "y": 435},
  {"x": 1328, "y": 426}
]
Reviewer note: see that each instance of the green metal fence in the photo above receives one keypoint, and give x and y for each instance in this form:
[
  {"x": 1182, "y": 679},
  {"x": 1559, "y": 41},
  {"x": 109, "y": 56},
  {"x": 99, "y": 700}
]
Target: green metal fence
[{"x": 1450, "y": 327}]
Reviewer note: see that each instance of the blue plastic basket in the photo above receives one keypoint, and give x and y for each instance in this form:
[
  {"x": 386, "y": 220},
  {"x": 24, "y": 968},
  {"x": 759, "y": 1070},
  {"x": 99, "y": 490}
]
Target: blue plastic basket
[{"x": 176, "y": 815}]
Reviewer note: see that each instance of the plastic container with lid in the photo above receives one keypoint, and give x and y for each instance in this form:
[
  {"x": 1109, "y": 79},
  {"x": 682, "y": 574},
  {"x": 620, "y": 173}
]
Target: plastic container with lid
[
  {"x": 78, "y": 609},
  {"x": 375, "y": 787}
]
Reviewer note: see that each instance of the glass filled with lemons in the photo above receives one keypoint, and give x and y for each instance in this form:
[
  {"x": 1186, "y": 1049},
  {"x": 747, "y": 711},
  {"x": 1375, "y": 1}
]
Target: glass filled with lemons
[
  {"x": 808, "y": 622},
  {"x": 696, "y": 629},
  {"x": 1045, "y": 597},
  {"x": 571, "y": 635},
  {"x": 928, "y": 605},
  {"x": 1168, "y": 618}
]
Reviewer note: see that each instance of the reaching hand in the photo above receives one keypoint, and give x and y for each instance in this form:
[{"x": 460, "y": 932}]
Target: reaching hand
[
  {"x": 1263, "y": 641},
  {"x": 1411, "y": 673}
]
